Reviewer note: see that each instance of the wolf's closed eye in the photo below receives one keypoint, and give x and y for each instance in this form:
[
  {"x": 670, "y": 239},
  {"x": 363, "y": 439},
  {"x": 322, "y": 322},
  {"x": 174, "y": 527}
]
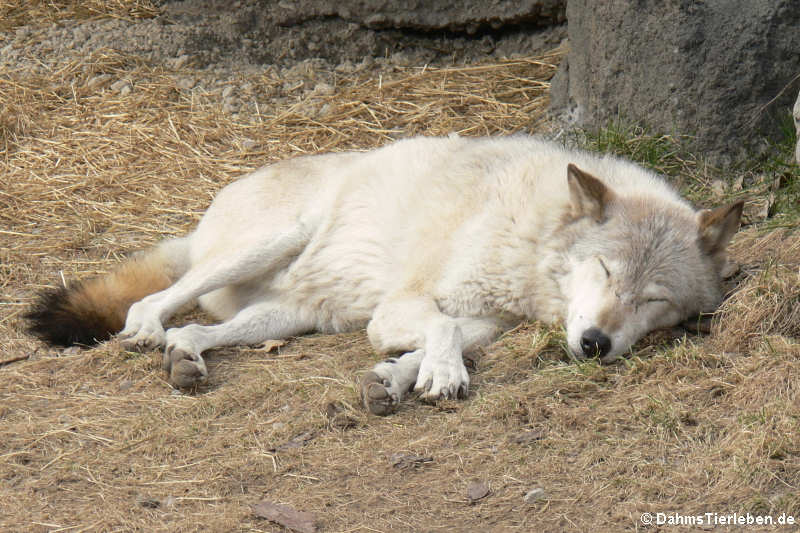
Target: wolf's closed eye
[{"x": 602, "y": 264}]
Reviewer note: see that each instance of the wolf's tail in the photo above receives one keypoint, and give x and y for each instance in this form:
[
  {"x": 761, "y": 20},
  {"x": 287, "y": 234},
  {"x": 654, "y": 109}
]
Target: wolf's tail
[{"x": 91, "y": 311}]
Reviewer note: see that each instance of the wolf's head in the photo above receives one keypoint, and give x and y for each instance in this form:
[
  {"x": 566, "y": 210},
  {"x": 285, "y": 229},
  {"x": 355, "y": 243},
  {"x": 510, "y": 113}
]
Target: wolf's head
[{"x": 638, "y": 262}]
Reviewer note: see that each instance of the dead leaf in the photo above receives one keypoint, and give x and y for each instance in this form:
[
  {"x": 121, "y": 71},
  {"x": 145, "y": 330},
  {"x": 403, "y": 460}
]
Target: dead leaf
[
  {"x": 757, "y": 209},
  {"x": 148, "y": 502},
  {"x": 477, "y": 490},
  {"x": 287, "y": 516},
  {"x": 298, "y": 441},
  {"x": 528, "y": 436},
  {"x": 403, "y": 461},
  {"x": 718, "y": 187},
  {"x": 270, "y": 345},
  {"x": 337, "y": 416}
]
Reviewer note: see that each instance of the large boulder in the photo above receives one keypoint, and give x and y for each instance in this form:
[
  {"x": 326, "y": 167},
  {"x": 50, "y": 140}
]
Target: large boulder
[
  {"x": 284, "y": 32},
  {"x": 719, "y": 70}
]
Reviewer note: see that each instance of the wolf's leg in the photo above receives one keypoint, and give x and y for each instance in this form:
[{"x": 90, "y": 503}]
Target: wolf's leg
[
  {"x": 143, "y": 326},
  {"x": 436, "y": 342},
  {"x": 252, "y": 325}
]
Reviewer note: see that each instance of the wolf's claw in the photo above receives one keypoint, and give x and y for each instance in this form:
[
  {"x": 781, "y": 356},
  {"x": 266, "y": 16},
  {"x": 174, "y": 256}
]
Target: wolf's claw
[
  {"x": 142, "y": 341},
  {"x": 443, "y": 378},
  {"x": 463, "y": 392}
]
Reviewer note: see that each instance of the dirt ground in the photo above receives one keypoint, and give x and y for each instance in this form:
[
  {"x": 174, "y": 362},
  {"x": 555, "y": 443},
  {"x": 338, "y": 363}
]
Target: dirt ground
[{"x": 105, "y": 152}]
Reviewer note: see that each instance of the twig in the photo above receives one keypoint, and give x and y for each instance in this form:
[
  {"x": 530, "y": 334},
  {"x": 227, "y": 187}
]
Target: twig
[{"x": 14, "y": 360}]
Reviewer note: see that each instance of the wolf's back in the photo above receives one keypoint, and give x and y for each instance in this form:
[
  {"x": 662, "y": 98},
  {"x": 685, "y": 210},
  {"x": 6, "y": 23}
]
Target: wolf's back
[{"x": 91, "y": 311}]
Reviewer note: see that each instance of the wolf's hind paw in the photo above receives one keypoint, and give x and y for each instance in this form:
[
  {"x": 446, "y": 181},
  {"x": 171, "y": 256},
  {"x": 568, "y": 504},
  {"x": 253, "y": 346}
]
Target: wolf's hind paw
[
  {"x": 377, "y": 395},
  {"x": 185, "y": 369}
]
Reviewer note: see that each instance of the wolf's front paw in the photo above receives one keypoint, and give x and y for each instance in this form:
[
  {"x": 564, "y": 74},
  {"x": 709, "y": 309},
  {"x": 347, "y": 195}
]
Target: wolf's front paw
[
  {"x": 143, "y": 330},
  {"x": 142, "y": 337},
  {"x": 442, "y": 378}
]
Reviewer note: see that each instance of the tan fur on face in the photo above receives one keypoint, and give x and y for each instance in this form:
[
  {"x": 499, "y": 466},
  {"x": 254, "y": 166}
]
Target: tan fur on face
[{"x": 610, "y": 319}]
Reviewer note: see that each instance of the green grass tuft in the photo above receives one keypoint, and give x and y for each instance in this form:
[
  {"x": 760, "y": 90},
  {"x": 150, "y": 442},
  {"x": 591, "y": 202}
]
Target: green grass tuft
[{"x": 668, "y": 155}]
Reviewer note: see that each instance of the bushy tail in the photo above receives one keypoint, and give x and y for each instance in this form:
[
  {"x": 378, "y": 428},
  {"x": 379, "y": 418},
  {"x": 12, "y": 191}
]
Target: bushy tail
[{"x": 92, "y": 311}]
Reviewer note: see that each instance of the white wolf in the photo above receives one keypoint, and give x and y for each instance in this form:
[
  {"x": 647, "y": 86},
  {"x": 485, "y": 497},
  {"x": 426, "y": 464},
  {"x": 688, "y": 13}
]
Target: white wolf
[{"x": 435, "y": 244}]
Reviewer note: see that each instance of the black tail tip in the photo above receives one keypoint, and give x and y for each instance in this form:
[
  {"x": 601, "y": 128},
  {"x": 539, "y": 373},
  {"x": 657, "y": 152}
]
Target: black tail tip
[{"x": 56, "y": 321}]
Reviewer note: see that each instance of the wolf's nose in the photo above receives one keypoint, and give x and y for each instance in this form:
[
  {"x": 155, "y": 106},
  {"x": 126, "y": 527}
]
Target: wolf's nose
[{"x": 595, "y": 343}]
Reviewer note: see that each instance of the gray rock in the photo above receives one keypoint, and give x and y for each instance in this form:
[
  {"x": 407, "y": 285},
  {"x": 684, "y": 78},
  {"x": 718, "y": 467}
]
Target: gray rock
[
  {"x": 796, "y": 116},
  {"x": 466, "y": 16},
  {"x": 98, "y": 81},
  {"x": 119, "y": 85},
  {"x": 180, "y": 61},
  {"x": 716, "y": 70},
  {"x": 186, "y": 83}
]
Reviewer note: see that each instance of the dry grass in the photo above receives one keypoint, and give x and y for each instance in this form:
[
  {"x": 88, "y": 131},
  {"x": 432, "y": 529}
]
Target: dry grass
[
  {"x": 767, "y": 302},
  {"x": 14, "y": 13},
  {"x": 95, "y": 440}
]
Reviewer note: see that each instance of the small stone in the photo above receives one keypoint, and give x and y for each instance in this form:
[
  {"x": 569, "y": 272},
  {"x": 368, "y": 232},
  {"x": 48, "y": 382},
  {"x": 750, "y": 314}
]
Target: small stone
[
  {"x": 22, "y": 33},
  {"x": 718, "y": 187},
  {"x": 248, "y": 144},
  {"x": 323, "y": 89},
  {"x": 119, "y": 85},
  {"x": 126, "y": 90},
  {"x": 528, "y": 436},
  {"x": 534, "y": 495},
  {"x": 477, "y": 490},
  {"x": 186, "y": 83},
  {"x": 180, "y": 62},
  {"x": 98, "y": 81},
  {"x": 367, "y": 63},
  {"x": 346, "y": 68},
  {"x": 79, "y": 35}
]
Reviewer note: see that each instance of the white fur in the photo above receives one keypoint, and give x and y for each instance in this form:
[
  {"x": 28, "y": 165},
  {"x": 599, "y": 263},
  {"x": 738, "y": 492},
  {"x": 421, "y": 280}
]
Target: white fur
[{"x": 436, "y": 243}]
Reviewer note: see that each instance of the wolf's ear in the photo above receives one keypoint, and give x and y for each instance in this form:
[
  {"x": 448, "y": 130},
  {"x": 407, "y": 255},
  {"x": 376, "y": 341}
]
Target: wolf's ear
[
  {"x": 588, "y": 195},
  {"x": 717, "y": 227}
]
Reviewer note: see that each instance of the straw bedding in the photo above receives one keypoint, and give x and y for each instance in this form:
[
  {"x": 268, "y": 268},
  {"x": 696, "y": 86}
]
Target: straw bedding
[{"x": 96, "y": 440}]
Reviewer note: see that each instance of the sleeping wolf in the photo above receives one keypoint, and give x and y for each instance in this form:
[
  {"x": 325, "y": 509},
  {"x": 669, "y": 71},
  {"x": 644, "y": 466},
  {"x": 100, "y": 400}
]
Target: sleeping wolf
[{"x": 436, "y": 245}]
